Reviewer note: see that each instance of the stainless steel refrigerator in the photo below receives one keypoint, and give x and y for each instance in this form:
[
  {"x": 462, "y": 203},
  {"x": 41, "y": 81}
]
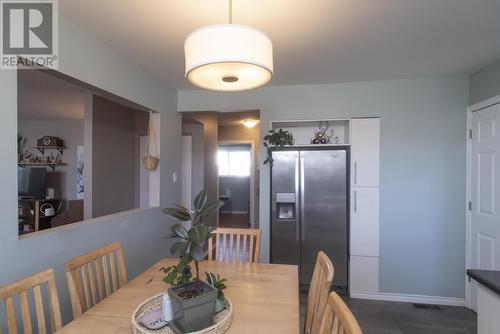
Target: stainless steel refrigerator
[{"x": 309, "y": 210}]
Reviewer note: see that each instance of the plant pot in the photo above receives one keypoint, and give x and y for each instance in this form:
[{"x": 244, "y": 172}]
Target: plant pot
[
  {"x": 220, "y": 304},
  {"x": 196, "y": 313}
]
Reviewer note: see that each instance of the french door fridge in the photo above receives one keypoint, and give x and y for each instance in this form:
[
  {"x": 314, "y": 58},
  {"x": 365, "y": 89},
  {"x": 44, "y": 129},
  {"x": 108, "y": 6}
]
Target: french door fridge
[{"x": 309, "y": 210}]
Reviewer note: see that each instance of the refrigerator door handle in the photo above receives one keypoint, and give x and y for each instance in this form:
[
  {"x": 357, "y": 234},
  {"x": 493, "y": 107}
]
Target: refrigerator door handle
[
  {"x": 355, "y": 172},
  {"x": 355, "y": 201},
  {"x": 302, "y": 196},
  {"x": 297, "y": 180}
]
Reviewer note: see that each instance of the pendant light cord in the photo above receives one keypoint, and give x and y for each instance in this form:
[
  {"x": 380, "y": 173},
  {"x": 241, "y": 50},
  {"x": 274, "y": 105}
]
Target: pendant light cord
[{"x": 230, "y": 11}]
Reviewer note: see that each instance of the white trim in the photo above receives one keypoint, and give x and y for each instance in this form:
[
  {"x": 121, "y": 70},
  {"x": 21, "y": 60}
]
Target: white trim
[
  {"x": 468, "y": 196},
  {"x": 484, "y": 104},
  {"x": 253, "y": 154},
  {"x": 406, "y": 298}
]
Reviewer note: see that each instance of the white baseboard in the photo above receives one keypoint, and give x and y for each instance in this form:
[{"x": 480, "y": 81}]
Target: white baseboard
[
  {"x": 236, "y": 212},
  {"x": 405, "y": 298}
]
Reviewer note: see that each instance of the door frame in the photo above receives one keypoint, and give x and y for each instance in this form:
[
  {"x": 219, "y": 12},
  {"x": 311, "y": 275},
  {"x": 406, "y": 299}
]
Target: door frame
[
  {"x": 187, "y": 173},
  {"x": 468, "y": 219},
  {"x": 253, "y": 155}
]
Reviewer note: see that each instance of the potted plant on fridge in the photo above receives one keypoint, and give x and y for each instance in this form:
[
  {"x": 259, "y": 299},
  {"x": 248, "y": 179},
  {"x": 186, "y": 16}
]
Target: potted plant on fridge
[
  {"x": 275, "y": 140},
  {"x": 193, "y": 300}
]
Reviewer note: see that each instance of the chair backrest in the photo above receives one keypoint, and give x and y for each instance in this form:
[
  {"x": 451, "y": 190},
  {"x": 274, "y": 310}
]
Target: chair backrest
[
  {"x": 94, "y": 276},
  {"x": 317, "y": 298},
  {"x": 22, "y": 288},
  {"x": 239, "y": 245},
  {"x": 338, "y": 318}
]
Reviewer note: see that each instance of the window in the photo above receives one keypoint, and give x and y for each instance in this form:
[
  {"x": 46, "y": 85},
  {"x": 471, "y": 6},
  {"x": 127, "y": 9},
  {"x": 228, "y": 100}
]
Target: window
[{"x": 234, "y": 163}]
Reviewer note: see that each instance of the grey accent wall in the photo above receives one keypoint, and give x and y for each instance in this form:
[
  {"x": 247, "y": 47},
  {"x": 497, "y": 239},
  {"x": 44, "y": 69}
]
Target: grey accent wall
[
  {"x": 422, "y": 203},
  {"x": 485, "y": 83},
  {"x": 63, "y": 179},
  {"x": 114, "y": 158},
  {"x": 141, "y": 232}
]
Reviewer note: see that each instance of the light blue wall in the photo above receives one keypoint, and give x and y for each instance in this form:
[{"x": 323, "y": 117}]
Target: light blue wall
[
  {"x": 141, "y": 232},
  {"x": 485, "y": 83},
  {"x": 422, "y": 204}
]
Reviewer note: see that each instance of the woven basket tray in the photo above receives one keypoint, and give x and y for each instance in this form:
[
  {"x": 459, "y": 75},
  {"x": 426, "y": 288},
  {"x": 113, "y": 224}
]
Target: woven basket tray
[{"x": 222, "y": 320}]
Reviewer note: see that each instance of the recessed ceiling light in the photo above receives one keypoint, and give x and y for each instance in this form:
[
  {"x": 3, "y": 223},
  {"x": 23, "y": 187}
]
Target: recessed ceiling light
[
  {"x": 250, "y": 123},
  {"x": 228, "y": 57}
]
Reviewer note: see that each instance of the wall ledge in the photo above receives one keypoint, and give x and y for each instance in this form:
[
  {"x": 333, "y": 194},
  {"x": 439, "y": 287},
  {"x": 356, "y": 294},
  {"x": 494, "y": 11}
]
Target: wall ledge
[{"x": 91, "y": 221}]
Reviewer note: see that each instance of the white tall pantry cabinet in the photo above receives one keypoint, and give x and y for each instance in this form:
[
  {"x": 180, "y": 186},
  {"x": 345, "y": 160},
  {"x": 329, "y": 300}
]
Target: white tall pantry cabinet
[{"x": 364, "y": 205}]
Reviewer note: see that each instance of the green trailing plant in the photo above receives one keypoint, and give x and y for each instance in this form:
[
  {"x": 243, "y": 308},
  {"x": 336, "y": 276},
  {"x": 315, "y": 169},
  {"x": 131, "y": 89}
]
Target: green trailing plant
[
  {"x": 276, "y": 139},
  {"x": 192, "y": 241},
  {"x": 175, "y": 277}
]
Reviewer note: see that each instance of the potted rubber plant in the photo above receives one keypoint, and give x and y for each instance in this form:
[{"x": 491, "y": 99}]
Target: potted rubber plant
[{"x": 193, "y": 300}]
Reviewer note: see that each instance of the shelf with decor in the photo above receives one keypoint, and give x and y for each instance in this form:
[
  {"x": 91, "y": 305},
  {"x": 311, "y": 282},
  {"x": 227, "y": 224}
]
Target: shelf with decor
[
  {"x": 314, "y": 133},
  {"x": 42, "y": 148},
  {"x": 46, "y": 164}
]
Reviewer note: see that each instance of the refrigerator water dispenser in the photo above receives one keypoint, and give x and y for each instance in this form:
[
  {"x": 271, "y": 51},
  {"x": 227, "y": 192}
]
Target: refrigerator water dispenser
[{"x": 285, "y": 206}]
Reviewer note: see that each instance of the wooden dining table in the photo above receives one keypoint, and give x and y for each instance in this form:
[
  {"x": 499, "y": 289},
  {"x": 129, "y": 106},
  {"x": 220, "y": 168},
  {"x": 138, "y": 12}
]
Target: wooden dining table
[{"x": 265, "y": 298}]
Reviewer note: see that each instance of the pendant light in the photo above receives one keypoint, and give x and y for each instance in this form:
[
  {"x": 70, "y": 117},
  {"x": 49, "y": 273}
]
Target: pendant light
[{"x": 228, "y": 57}]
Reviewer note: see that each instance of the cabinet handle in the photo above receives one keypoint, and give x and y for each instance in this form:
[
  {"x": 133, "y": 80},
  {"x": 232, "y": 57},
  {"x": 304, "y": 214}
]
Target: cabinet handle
[
  {"x": 355, "y": 201},
  {"x": 297, "y": 200},
  {"x": 355, "y": 172}
]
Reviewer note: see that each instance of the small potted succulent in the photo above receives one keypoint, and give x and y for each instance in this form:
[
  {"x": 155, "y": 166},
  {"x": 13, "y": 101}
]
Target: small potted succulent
[
  {"x": 218, "y": 283},
  {"x": 193, "y": 300}
]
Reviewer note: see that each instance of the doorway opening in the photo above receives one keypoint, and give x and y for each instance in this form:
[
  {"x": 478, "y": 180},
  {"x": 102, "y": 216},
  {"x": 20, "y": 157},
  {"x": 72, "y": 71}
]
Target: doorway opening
[
  {"x": 234, "y": 160},
  {"x": 221, "y": 156}
]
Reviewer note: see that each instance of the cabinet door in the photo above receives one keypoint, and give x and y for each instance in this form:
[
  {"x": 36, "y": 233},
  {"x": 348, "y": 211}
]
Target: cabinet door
[
  {"x": 364, "y": 274},
  {"x": 364, "y": 226},
  {"x": 365, "y": 151}
]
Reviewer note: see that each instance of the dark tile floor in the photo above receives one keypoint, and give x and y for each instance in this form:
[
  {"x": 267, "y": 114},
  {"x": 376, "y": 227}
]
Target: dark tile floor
[{"x": 379, "y": 317}]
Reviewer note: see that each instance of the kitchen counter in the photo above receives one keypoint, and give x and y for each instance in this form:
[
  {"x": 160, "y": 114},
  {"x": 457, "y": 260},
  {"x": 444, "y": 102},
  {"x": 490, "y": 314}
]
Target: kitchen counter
[
  {"x": 488, "y": 278},
  {"x": 488, "y": 300}
]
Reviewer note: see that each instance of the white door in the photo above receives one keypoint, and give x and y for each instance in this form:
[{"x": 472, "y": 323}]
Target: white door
[
  {"x": 186, "y": 178},
  {"x": 485, "y": 220},
  {"x": 364, "y": 221},
  {"x": 365, "y": 152}
]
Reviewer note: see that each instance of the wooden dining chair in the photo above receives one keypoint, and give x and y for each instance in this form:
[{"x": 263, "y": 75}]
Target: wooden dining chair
[
  {"x": 317, "y": 298},
  {"x": 238, "y": 245},
  {"x": 23, "y": 289},
  {"x": 94, "y": 276},
  {"x": 338, "y": 319}
]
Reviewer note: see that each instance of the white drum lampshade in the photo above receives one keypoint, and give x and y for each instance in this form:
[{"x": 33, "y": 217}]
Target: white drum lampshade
[{"x": 228, "y": 57}]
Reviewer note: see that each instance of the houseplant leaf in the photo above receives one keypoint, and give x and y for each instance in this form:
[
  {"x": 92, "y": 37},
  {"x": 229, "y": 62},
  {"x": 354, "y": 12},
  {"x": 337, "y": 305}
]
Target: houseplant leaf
[
  {"x": 211, "y": 208},
  {"x": 200, "y": 200},
  {"x": 178, "y": 213},
  {"x": 179, "y": 231}
]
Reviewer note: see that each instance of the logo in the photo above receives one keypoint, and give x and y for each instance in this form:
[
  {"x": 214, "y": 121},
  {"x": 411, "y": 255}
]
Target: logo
[{"x": 29, "y": 36}]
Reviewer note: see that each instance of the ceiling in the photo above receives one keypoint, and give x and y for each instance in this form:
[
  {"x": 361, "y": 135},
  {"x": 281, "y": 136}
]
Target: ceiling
[
  {"x": 45, "y": 97},
  {"x": 315, "y": 41}
]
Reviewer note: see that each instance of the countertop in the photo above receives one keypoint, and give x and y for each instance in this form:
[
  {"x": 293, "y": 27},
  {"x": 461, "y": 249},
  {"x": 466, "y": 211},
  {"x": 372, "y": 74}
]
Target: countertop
[{"x": 488, "y": 278}]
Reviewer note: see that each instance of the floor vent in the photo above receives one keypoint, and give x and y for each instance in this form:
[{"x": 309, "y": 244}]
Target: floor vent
[{"x": 427, "y": 306}]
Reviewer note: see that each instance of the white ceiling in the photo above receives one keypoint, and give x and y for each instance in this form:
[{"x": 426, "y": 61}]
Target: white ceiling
[
  {"x": 315, "y": 41},
  {"x": 45, "y": 97}
]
